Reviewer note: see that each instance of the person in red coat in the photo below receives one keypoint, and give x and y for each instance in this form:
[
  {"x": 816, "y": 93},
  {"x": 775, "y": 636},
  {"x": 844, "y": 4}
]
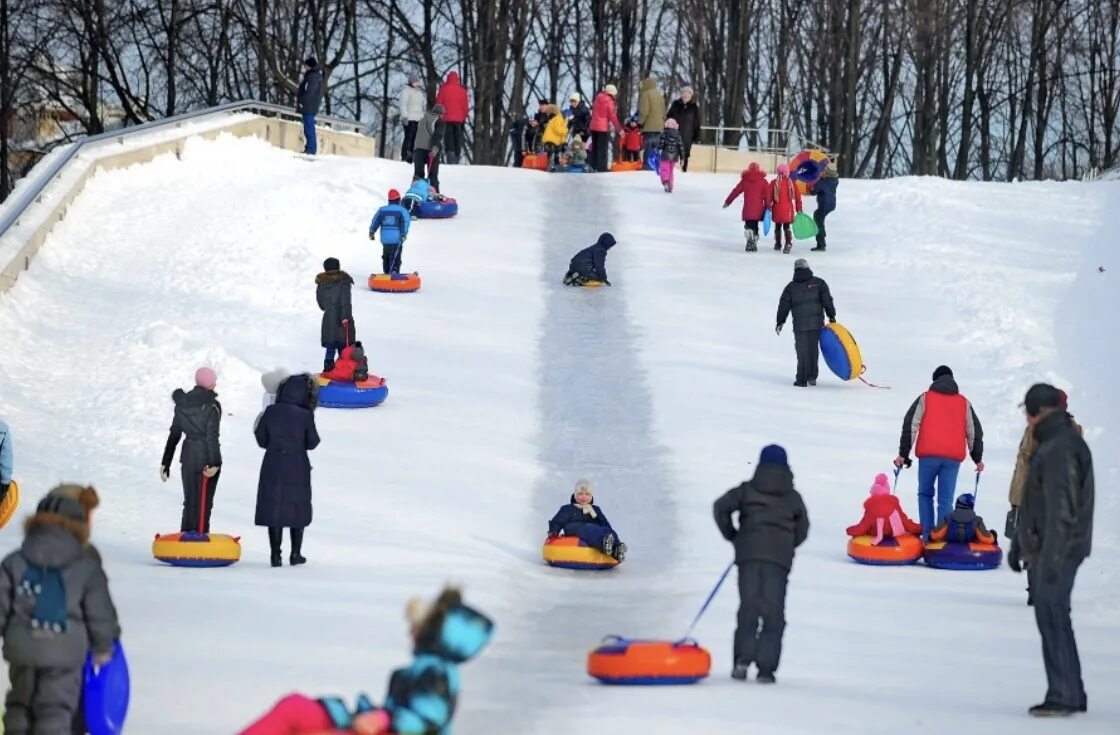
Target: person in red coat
[
  {"x": 632, "y": 142},
  {"x": 785, "y": 202},
  {"x": 352, "y": 365},
  {"x": 453, "y": 96},
  {"x": 604, "y": 114},
  {"x": 883, "y": 516},
  {"x": 756, "y": 200}
]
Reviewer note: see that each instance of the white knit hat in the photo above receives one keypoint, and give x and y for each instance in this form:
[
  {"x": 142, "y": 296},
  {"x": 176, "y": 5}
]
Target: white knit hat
[
  {"x": 574, "y": 97},
  {"x": 611, "y": 90},
  {"x": 583, "y": 486}
]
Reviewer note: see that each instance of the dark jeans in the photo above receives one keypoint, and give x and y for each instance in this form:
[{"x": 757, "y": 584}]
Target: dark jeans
[
  {"x": 762, "y": 615},
  {"x": 684, "y": 157},
  {"x": 391, "y": 258},
  {"x": 41, "y": 700},
  {"x": 192, "y": 496},
  {"x": 453, "y": 141},
  {"x": 806, "y": 343},
  {"x": 409, "y": 139},
  {"x": 818, "y": 217},
  {"x": 311, "y": 145},
  {"x": 422, "y": 170},
  {"x": 600, "y": 151},
  {"x": 1059, "y": 649}
]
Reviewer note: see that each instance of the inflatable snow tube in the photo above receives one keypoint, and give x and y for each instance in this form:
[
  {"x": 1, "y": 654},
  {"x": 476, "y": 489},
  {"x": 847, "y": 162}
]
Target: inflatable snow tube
[
  {"x": 841, "y": 353},
  {"x": 345, "y": 394},
  {"x": 572, "y": 169},
  {"x": 432, "y": 209},
  {"x": 620, "y": 166},
  {"x": 10, "y": 505},
  {"x": 568, "y": 552},
  {"x": 962, "y": 557},
  {"x": 105, "y": 694},
  {"x": 394, "y": 282},
  {"x": 897, "y": 551},
  {"x": 193, "y": 549},
  {"x": 644, "y": 663},
  {"x": 806, "y": 167},
  {"x": 535, "y": 161}
]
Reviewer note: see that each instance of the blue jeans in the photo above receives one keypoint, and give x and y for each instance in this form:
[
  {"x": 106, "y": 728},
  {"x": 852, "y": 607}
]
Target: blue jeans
[
  {"x": 331, "y": 349},
  {"x": 309, "y": 133},
  {"x": 943, "y": 473}
]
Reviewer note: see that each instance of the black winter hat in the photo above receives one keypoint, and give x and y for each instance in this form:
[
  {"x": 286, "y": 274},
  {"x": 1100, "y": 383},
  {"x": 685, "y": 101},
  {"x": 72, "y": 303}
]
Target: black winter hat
[
  {"x": 543, "y": 101},
  {"x": 607, "y": 240},
  {"x": 331, "y": 264},
  {"x": 311, "y": 62},
  {"x": 1040, "y": 396},
  {"x": 941, "y": 371}
]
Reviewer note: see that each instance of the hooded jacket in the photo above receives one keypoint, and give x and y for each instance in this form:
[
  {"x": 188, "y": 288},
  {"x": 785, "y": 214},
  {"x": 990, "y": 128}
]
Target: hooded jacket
[
  {"x": 411, "y": 104},
  {"x": 571, "y": 516},
  {"x": 197, "y": 419},
  {"x": 671, "y": 146},
  {"x": 349, "y": 361},
  {"x": 453, "y": 96},
  {"x": 756, "y": 194},
  {"x": 57, "y": 544},
  {"x": 332, "y": 292},
  {"x": 556, "y": 132},
  {"x": 687, "y": 115},
  {"x": 287, "y": 433},
  {"x": 591, "y": 262},
  {"x": 963, "y": 526},
  {"x": 785, "y": 200},
  {"x": 773, "y": 520},
  {"x": 5, "y": 454},
  {"x": 651, "y": 107},
  {"x": 883, "y": 517},
  {"x": 310, "y": 93},
  {"x": 393, "y": 220},
  {"x": 1056, "y": 519},
  {"x": 1028, "y": 445},
  {"x": 825, "y": 191},
  {"x": 945, "y": 423},
  {"x": 604, "y": 114},
  {"x": 429, "y": 133},
  {"x": 808, "y": 298}
]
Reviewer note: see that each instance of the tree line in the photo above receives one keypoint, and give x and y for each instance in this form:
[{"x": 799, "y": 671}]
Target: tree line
[{"x": 966, "y": 89}]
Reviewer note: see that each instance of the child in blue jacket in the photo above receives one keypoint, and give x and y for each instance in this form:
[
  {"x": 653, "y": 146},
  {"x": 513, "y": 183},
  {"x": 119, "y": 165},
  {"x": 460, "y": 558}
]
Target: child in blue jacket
[
  {"x": 417, "y": 194},
  {"x": 393, "y": 221},
  {"x": 587, "y": 522}
]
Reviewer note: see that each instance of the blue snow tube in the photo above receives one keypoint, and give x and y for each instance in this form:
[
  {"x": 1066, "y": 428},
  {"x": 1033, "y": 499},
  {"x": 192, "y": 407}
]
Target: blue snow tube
[
  {"x": 432, "y": 209},
  {"x": 105, "y": 694},
  {"x": 573, "y": 169},
  {"x": 841, "y": 353},
  {"x": 343, "y": 394},
  {"x": 962, "y": 557}
]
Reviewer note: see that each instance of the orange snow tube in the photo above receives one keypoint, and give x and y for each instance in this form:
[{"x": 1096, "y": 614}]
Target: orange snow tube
[
  {"x": 905, "y": 549},
  {"x": 394, "y": 283},
  {"x": 618, "y": 660},
  {"x": 10, "y": 504}
]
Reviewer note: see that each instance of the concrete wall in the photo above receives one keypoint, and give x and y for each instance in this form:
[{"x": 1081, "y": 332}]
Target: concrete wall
[
  {"x": 712, "y": 159},
  {"x": 280, "y": 133}
]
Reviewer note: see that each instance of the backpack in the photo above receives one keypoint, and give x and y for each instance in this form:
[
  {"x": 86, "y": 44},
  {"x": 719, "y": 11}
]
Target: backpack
[
  {"x": 960, "y": 532},
  {"x": 361, "y": 372},
  {"x": 47, "y": 589}
]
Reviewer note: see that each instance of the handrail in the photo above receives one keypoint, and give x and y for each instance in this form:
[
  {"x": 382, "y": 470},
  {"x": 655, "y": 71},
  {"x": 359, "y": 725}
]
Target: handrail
[
  {"x": 25, "y": 198},
  {"x": 769, "y": 133}
]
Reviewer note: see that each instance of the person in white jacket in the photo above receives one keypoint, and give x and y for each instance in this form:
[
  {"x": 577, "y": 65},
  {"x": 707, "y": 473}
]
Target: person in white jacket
[{"x": 411, "y": 108}]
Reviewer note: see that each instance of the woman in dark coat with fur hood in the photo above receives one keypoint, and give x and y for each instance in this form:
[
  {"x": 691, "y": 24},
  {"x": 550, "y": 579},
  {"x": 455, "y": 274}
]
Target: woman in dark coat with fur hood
[
  {"x": 332, "y": 291},
  {"x": 286, "y": 431}
]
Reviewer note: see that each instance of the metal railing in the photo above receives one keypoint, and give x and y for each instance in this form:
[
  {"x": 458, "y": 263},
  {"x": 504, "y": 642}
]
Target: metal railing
[
  {"x": 20, "y": 201},
  {"x": 773, "y": 141}
]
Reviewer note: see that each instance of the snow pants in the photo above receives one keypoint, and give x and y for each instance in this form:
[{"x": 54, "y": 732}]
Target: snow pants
[
  {"x": 665, "y": 170},
  {"x": 818, "y": 217},
  {"x": 421, "y": 169},
  {"x": 935, "y": 474},
  {"x": 296, "y": 714},
  {"x": 41, "y": 701},
  {"x": 593, "y": 535},
  {"x": 391, "y": 258},
  {"x": 807, "y": 344},
  {"x": 1059, "y": 648},
  {"x": 762, "y": 615},
  {"x": 192, "y": 497}
]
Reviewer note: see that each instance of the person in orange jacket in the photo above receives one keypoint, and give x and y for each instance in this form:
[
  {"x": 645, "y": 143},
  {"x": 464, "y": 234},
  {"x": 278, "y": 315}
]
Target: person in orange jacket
[
  {"x": 632, "y": 141},
  {"x": 883, "y": 516},
  {"x": 785, "y": 204}
]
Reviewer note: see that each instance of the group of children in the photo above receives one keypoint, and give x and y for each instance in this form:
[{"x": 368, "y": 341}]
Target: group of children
[{"x": 884, "y": 518}]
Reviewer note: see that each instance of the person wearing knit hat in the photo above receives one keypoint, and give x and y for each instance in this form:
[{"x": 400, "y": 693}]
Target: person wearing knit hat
[
  {"x": 333, "y": 291},
  {"x": 772, "y": 523},
  {"x": 604, "y": 115},
  {"x": 197, "y": 420},
  {"x": 59, "y": 611},
  {"x": 587, "y": 521},
  {"x": 809, "y": 300},
  {"x": 962, "y": 525},
  {"x": 825, "y": 192},
  {"x": 393, "y": 220},
  {"x": 308, "y": 98},
  {"x": 947, "y": 430},
  {"x": 578, "y": 115},
  {"x": 429, "y": 145},
  {"x": 883, "y": 516},
  {"x": 785, "y": 204},
  {"x": 410, "y": 110}
]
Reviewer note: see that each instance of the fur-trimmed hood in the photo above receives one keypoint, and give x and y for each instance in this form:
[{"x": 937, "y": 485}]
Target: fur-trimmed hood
[
  {"x": 333, "y": 277},
  {"x": 63, "y": 511}
]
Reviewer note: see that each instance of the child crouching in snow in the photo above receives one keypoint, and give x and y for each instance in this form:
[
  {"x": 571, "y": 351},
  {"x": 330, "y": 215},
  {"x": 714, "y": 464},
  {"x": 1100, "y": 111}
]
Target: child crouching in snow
[
  {"x": 352, "y": 365},
  {"x": 670, "y": 152},
  {"x": 586, "y": 522},
  {"x": 422, "y": 696},
  {"x": 963, "y": 526},
  {"x": 883, "y": 516}
]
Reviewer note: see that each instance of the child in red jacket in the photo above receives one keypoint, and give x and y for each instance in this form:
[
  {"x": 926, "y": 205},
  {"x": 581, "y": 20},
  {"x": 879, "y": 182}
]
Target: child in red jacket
[
  {"x": 785, "y": 203},
  {"x": 756, "y": 200},
  {"x": 352, "y": 365},
  {"x": 632, "y": 141},
  {"x": 883, "y": 516}
]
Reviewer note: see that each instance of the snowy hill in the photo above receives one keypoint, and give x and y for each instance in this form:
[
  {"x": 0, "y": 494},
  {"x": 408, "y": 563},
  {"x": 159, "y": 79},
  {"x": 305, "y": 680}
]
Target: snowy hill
[{"x": 506, "y": 388}]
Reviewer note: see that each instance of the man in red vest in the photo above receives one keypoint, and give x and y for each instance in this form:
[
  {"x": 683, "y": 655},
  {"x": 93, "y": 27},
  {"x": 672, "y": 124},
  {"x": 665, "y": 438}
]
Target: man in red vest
[{"x": 947, "y": 428}]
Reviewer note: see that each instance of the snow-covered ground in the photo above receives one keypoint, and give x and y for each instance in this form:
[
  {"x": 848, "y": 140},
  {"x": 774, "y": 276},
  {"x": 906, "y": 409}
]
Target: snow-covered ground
[{"x": 506, "y": 388}]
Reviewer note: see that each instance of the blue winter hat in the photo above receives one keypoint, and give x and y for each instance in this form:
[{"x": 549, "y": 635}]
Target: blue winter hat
[
  {"x": 966, "y": 501},
  {"x": 773, "y": 454}
]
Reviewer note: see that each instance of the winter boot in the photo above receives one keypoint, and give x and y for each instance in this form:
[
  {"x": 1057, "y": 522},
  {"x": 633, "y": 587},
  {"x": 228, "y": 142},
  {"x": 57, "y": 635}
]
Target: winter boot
[
  {"x": 608, "y": 544},
  {"x": 812, "y": 381},
  {"x": 275, "y": 537},
  {"x": 297, "y": 544},
  {"x": 765, "y": 677},
  {"x": 778, "y": 240},
  {"x": 752, "y": 241},
  {"x": 739, "y": 671},
  {"x": 789, "y": 242},
  {"x": 619, "y": 551},
  {"x": 328, "y": 365},
  {"x": 1051, "y": 710}
]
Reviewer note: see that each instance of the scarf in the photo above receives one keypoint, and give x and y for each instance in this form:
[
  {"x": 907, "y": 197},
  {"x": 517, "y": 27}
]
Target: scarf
[{"x": 587, "y": 508}]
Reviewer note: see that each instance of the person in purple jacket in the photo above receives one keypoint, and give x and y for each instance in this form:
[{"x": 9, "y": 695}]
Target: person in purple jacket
[{"x": 582, "y": 519}]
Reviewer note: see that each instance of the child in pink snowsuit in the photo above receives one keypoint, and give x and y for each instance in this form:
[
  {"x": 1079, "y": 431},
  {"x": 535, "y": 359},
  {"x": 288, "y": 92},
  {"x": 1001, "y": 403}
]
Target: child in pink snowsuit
[
  {"x": 883, "y": 516},
  {"x": 672, "y": 147}
]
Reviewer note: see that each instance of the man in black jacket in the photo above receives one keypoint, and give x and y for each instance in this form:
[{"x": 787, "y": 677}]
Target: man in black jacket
[
  {"x": 590, "y": 264},
  {"x": 198, "y": 416},
  {"x": 1054, "y": 536},
  {"x": 308, "y": 98},
  {"x": 772, "y": 523},
  {"x": 809, "y": 299}
]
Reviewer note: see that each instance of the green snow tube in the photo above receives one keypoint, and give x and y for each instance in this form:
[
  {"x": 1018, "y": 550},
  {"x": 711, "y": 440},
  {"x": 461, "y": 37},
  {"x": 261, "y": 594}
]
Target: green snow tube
[{"x": 804, "y": 227}]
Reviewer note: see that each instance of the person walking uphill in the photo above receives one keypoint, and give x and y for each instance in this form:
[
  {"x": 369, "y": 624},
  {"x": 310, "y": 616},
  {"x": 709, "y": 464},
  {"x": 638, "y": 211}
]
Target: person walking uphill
[
  {"x": 453, "y": 96},
  {"x": 773, "y": 522},
  {"x": 308, "y": 98},
  {"x": 55, "y": 609},
  {"x": 1054, "y": 536},
  {"x": 604, "y": 114},
  {"x": 785, "y": 203},
  {"x": 687, "y": 114},
  {"x": 287, "y": 433},
  {"x": 809, "y": 299},
  {"x": 946, "y": 426},
  {"x": 590, "y": 264},
  {"x": 825, "y": 192},
  {"x": 651, "y": 115},
  {"x": 332, "y": 292},
  {"x": 429, "y": 141},
  {"x": 197, "y": 420},
  {"x": 756, "y": 200},
  {"x": 410, "y": 109}
]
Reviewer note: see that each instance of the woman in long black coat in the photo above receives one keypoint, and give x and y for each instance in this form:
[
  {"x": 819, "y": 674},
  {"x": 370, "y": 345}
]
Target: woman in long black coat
[
  {"x": 286, "y": 431},
  {"x": 686, "y": 112}
]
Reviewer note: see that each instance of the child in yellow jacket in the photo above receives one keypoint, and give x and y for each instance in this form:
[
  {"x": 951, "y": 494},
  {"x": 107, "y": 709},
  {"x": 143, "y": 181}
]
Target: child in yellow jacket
[{"x": 555, "y": 136}]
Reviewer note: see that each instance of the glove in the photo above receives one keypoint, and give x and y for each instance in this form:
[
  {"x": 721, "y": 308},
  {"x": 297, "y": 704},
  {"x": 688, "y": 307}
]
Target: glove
[
  {"x": 164, "y": 473},
  {"x": 210, "y": 471},
  {"x": 100, "y": 659},
  {"x": 979, "y": 467},
  {"x": 371, "y": 235},
  {"x": 901, "y": 462},
  {"x": 778, "y": 329},
  {"x": 832, "y": 320},
  {"x": 725, "y": 206}
]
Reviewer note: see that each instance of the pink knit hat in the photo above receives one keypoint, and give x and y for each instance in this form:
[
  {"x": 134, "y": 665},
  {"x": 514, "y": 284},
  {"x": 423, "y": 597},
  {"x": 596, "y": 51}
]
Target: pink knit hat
[
  {"x": 204, "y": 377},
  {"x": 783, "y": 169},
  {"x": 882, "y": 485}
]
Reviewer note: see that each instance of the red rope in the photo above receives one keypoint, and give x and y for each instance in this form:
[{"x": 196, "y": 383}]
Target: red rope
[
  {"x": 871, "y": 385},
  {"x": 202, "y": 506}
]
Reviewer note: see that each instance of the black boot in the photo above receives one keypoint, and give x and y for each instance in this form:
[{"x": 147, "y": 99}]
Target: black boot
[
  {"x": 820, "y": 245},
  {"x": 297, "y": 543},
  {"x": 275, "y": 538},
  {"x": 328, "y": 365}
]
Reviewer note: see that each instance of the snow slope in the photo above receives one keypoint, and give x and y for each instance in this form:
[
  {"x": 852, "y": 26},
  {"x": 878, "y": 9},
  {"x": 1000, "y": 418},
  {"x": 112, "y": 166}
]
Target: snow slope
[{"x": 506, "y": 388}]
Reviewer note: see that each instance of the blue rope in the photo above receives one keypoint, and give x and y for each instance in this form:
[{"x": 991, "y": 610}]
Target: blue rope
[{"x": 708, "y": 601}]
